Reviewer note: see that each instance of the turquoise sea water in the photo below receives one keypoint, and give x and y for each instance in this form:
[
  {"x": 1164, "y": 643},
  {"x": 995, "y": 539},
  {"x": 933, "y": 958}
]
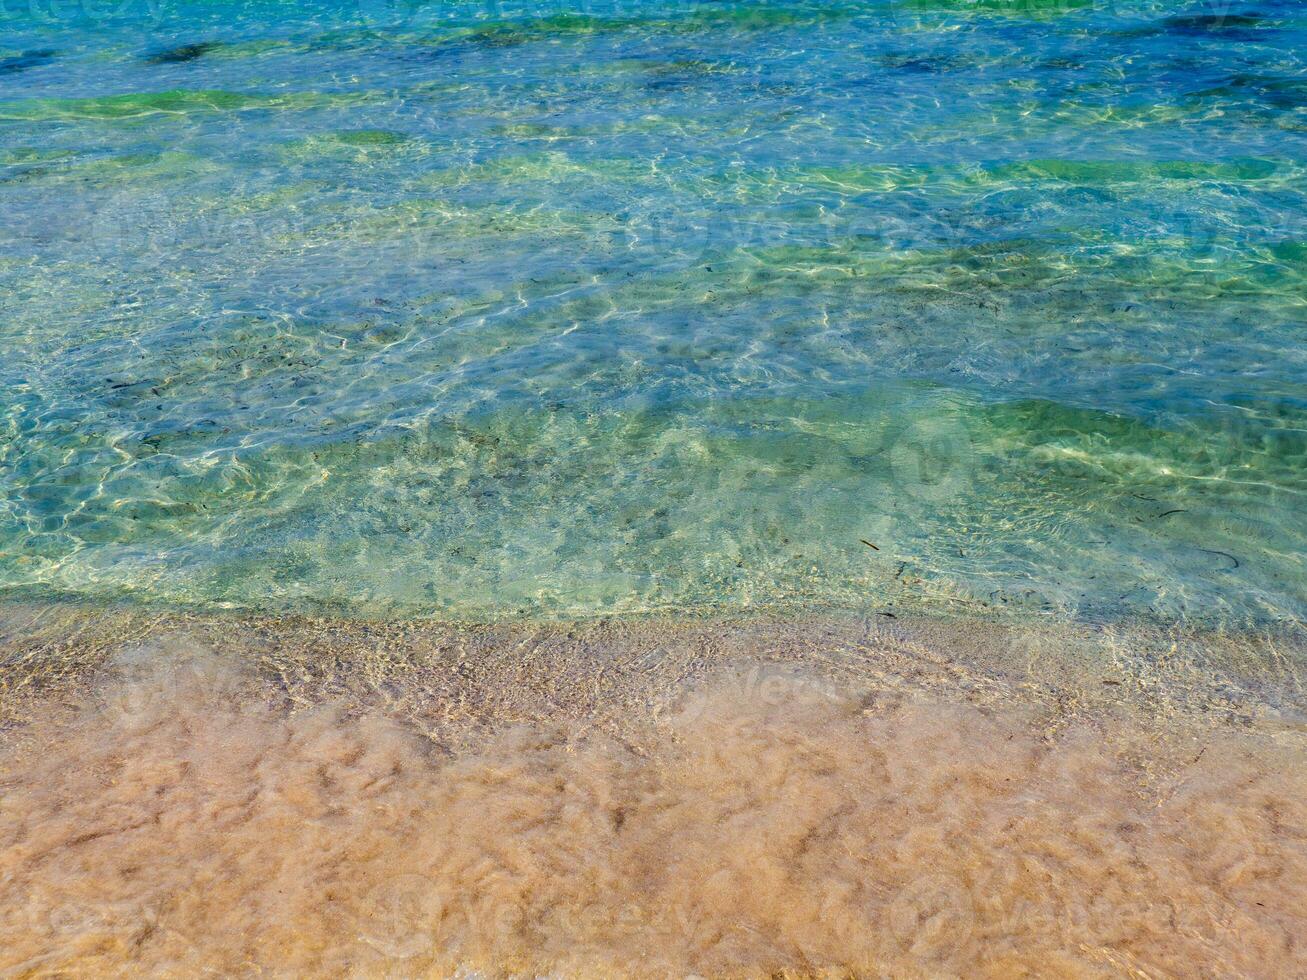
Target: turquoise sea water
[{"x": 477, "y": 310}]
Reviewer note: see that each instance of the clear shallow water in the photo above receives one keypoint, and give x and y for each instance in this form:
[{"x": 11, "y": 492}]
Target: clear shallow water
[{"x": 479, "y": 311}]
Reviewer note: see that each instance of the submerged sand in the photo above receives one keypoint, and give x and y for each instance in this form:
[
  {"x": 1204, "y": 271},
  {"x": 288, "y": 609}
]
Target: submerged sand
[{"x": 831, "y": 797}]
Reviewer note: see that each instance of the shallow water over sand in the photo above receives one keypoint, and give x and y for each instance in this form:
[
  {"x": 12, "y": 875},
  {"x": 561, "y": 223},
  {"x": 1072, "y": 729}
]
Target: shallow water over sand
[{"x": 638, "y": 307}]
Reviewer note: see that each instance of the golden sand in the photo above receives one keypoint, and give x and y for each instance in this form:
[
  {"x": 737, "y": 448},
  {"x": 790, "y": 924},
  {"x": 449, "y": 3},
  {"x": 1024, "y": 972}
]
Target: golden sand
[{"x": 810, "y": 800}]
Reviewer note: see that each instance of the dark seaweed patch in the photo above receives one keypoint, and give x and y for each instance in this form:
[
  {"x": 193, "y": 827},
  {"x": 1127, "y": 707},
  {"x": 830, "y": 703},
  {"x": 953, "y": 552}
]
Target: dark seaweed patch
[
  {"x": 1282, "y": 93},
  {"x": 1232, "y": 26},
  {"x": 182, "y": 54},
  {"x": 683, "y": 73},
  {"x": 512, "y": 33},
  {"x": 1212, "y": 22},
  {"x": 1063, "y": 64},
  {"x": 28, "y": 59}
]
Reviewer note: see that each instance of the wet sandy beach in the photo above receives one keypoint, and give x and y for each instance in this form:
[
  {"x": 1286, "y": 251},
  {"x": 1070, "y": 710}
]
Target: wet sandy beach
[{"x": 823, "y": 798}]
